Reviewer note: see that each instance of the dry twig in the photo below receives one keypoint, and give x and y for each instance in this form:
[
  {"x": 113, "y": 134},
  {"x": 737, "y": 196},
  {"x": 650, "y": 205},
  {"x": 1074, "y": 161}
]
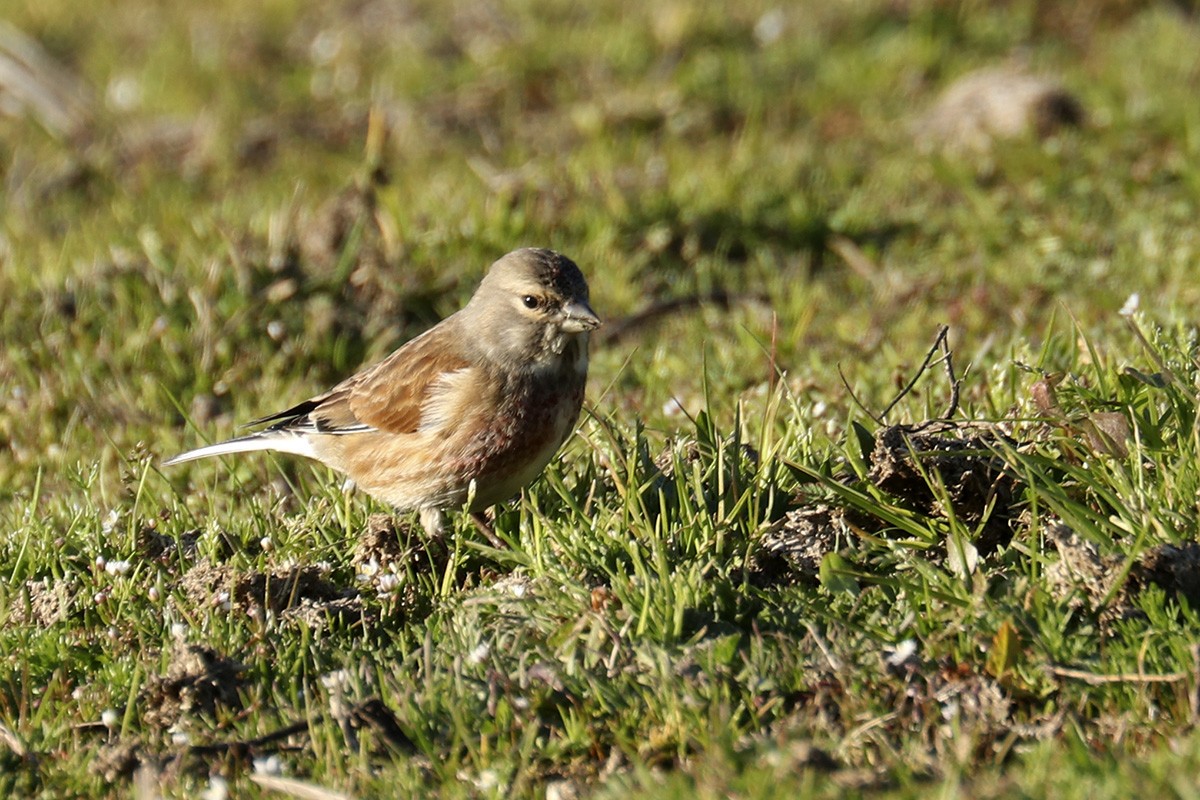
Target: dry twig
[{"x": 1098, "y": 679}]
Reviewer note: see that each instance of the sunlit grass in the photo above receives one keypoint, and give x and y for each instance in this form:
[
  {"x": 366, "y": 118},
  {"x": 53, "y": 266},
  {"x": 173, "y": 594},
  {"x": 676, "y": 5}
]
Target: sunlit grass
[{"x": 266, "y": 198}]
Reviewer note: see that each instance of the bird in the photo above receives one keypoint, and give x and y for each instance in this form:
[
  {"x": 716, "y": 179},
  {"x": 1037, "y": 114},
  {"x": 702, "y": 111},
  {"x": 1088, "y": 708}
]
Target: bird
[{"x": 469, "y": 412}]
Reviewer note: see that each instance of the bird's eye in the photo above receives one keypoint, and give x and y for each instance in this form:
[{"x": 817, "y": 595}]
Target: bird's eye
[{"x": 530, "y": 301}]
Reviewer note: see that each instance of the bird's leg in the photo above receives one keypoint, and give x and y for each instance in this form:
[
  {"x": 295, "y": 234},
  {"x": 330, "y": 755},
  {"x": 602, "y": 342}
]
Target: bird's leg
[
  {"x": 487, "y": 530},
  {"x": 433, "y": 520}
]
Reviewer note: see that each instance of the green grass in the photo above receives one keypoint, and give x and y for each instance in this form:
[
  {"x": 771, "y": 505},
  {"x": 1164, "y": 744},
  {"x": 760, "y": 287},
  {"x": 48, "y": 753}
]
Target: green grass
[{"x": 261, "y": 199}]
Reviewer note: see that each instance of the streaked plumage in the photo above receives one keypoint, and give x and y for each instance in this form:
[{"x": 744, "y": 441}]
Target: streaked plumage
[{"x": 478, "y": 404}]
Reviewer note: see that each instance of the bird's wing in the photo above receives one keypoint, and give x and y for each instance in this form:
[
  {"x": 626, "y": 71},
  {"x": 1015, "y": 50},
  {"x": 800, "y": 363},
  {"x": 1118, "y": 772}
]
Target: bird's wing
[{"x": 391, "y": 396}]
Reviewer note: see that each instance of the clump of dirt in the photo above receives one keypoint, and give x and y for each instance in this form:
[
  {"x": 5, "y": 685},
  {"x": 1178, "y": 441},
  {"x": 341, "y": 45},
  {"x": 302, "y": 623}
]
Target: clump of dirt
[
  {"x": 318, "y": 615},
  {"x": 185, "y": 144},
  {"x": 199, "y": 681},
  {"x": 966, "y": 705},
  {"x": 379, "y": 545},
  {"x": 978, "y": 490},
  {"x": 1173, "y": 568},
  {"x": 118, "y": 760},
  {"x": 154, "y": 546},
  {"x": 978, "y": 487},
  {"x": 385, "y": 548},
  {"x": 297, "y": 593},
  {"x": 795, "y": 545},
  {"x": 996, "y": 103},
  {"x": 50, "y": 602},
  {"x": 1081, "y": 576},
  {"x": 207, "y": 583},
  {"x": 954, "y": 705},
  {"x": 374, "y": 715},
  {"x": 282, "y": 589},
  {"x": 1086, "y": 579}
]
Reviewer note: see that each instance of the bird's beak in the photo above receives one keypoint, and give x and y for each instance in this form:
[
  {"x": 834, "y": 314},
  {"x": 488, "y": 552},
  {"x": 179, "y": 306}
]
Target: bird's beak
[{"x": 579, "y": 317}]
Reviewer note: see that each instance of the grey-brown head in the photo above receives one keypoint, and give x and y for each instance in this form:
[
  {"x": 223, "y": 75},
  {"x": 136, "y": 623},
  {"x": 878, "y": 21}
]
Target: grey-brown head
[{"x": 531, "y": 306}]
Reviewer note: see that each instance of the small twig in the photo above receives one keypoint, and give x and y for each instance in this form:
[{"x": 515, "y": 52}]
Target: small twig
[
  {"x": 1094, "y": 679},
  {"x": 489, "y": 533},
  {"x": 955, "y": 382},
  {"x": 835, "y": 663},
  {"x": 955, "y": 389},
  {"x": 246, "y": 745},
  {"x": 938, "y": 344},
  {"x": 364, "y": 711},
  {"x": 861, "y": 406},
  {"x": 296, "y": 788}
]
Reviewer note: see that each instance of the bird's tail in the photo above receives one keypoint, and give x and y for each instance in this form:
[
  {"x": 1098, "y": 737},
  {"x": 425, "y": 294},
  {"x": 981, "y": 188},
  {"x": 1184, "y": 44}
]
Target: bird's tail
[{"x": 279, "y": 441}]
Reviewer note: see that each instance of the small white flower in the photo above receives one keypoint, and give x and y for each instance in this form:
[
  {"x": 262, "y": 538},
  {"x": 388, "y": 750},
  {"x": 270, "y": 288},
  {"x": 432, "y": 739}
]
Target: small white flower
[
  {"x": 218, "y": 789},
  {"x": 770, "y": 27},
  {"x": 269, "y": 765},
  {"x": 101, "y": 562},
  {"x": 903, "y": 652},
  {"x": 110, "y": 521},
  {"x": 338, "y": 679},
  {"x": 178, "y": 631},
  {"x": 117, "y": 567},
  {"x": 124, "y": 93},
  {"x": 109, "y": 718},
  {"x": 266, "y": 544},
  {"x": 369, "y": 570},
  {"x": 486, "y": 781},
  {"x": 1131, "y": 305},
  {"x": 480, "y": 652},
  {"x": 325, "y": 46}
]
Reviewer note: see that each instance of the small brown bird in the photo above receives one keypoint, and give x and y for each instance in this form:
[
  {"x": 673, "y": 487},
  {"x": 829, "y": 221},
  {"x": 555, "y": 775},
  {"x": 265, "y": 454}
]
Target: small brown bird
[{"x": 475, "y": 407}]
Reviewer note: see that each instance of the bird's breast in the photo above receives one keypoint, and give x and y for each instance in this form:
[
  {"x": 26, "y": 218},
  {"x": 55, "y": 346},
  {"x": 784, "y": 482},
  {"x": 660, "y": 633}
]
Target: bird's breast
[{"x": 532, "y": 419}]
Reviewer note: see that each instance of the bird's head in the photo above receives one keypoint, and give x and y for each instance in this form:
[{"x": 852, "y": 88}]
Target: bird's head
[{"x": 530, "y": 308}]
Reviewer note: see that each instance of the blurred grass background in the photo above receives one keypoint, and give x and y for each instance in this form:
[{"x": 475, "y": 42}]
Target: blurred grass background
[
  {"x": 212, "y": 209},
  {"x": 684, "y": 149}
]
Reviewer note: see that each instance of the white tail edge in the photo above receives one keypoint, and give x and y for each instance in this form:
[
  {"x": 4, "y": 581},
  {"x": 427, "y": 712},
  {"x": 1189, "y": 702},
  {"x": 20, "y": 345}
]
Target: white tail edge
[{"x": 281, "y": 443}]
